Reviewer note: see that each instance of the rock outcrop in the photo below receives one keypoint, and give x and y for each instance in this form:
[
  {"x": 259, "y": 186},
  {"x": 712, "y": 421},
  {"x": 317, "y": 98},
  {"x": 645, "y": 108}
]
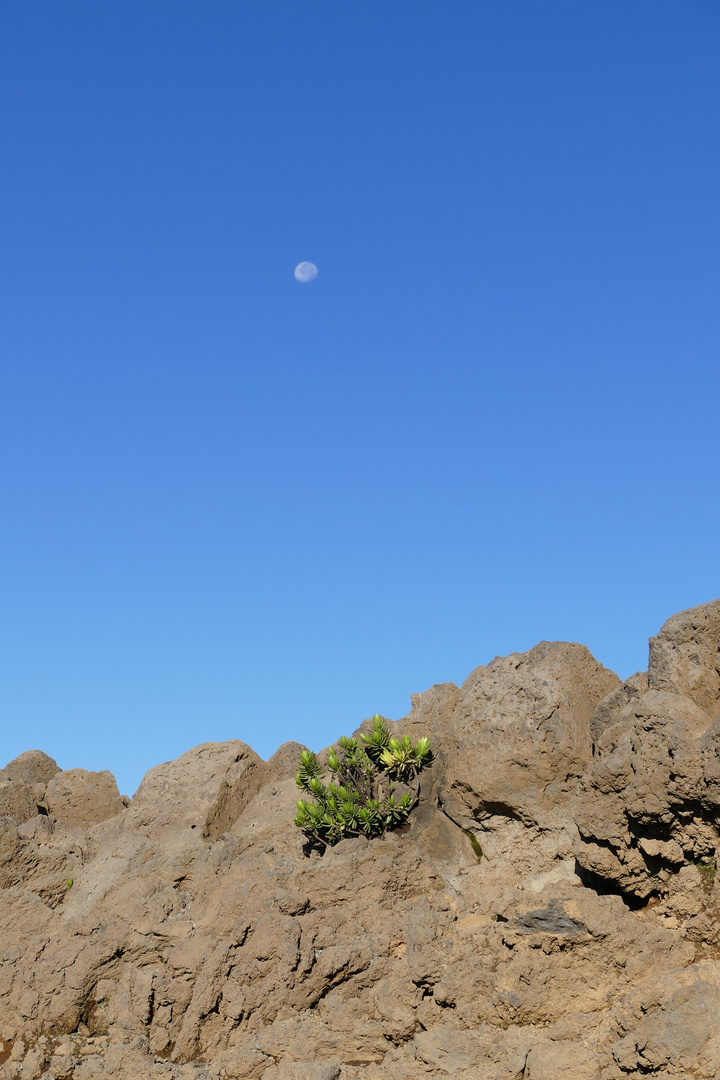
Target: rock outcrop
[
  {"x": 649, "y": 803},
  {"x": 549, "y": 912}
]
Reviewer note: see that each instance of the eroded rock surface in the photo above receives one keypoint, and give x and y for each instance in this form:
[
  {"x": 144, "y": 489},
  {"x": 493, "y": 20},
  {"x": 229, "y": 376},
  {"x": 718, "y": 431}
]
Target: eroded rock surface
[
  {"x": 549, "y": 913},
  {"x": 650, "y": 801}
]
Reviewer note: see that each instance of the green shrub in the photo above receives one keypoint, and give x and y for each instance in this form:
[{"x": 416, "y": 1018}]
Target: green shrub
[{"x": 362, "y": 797}]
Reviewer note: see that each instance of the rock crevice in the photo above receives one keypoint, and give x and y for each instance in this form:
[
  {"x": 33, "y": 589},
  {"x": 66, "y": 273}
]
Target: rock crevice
[{"x": 550, "y": 912}]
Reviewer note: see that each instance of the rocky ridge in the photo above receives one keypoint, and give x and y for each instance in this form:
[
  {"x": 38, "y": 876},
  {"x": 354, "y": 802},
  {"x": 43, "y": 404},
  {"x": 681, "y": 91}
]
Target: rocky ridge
[{"x": 550, "y": 912}]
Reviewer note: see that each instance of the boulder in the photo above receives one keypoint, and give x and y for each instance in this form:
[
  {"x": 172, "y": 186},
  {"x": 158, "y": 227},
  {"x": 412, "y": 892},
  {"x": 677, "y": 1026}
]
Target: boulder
[
  {"x": 285, "y": 762},
  {"x": 206, "y": 788},
  {"x": 685, "y": 657},
  {"x": 515, "y": 738},
  {"x": 32, "y": 767},
  {"x": 76, "y": 797}
]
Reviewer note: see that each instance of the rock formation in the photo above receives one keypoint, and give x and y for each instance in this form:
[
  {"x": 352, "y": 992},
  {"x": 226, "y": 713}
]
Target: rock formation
[{"x": 550, "y": 912}]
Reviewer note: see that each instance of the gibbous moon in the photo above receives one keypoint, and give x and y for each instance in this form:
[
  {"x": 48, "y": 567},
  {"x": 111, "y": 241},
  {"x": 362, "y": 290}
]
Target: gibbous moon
[{"x": 306, "y": 271}]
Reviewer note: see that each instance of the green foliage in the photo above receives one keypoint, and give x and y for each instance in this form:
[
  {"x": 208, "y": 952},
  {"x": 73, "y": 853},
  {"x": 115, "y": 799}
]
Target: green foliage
[
  {"x": 361, "y": 798},
  {"x": 707, "y": 872},
  {"x": 474, "y": 844},
  {"x": 69, "y": 882}
]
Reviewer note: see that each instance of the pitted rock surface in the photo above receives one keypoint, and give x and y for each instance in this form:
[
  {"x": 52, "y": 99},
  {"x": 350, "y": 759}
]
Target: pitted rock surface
[{"x": 550, "y": 912}]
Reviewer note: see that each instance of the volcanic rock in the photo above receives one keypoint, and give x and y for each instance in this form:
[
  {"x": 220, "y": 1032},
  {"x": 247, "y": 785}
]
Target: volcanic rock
[
  {"x": 32, "y": 767},
  {"x": 76, "y": 797},
  {"x": 549, "y": 911}
]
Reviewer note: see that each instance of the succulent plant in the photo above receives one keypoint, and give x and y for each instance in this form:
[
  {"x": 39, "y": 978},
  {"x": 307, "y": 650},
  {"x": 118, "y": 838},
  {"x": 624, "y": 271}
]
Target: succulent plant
[{"x": 361, "y": 798}]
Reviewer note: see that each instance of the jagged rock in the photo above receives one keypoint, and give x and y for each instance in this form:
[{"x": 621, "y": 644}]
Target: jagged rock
[
  {"x": 76, "y": 797},
  {"x": 19, "y": 801},
  {"x": 685, "y": 657},
  {"x": 515, "y": 737},
  {"x": 193, "y": 936},
  {"x": 617, "y": 706},
  {"x": 650, "y": 800},
  {"x": 32, "y": 767}
]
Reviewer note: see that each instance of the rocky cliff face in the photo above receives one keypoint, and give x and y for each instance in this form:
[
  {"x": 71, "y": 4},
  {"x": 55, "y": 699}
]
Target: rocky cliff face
[{"x": 549, "y": 913}]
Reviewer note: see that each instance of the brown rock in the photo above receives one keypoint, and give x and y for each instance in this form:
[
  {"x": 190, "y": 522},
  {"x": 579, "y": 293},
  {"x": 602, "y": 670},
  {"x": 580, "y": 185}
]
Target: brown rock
[
  {"x": 200, "y": 940},
  {"x": 650, "y": 800},
  {"x": 685, "y": 657},
  {"x": 285, "y": 762},
  {"x": 562, "y": 1061},
  {"x": 38, "y": 827},
  {"x": 19, "y": 801},
  {"x": 80, "y": 798},
  {"x": 32, "y": 767},
  {"x": 616, "y": 708},
  {"x": 306, "y": 1070},
  {"x": 672, "y": 1025},
  {"x": 206, "y": 788},
  {"x": 516, "y": 737}
]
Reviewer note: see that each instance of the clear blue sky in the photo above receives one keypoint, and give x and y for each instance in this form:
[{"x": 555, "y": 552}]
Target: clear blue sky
[{"x": 233, "y": 505}]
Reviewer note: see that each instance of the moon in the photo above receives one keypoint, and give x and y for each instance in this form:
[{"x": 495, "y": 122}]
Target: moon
[{"x": 305, "y": 272}]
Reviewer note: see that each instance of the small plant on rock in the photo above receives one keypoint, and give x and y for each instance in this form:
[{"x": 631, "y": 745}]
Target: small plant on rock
[
  {"x": 362, "y": 797},
  {"x": 708, "y": 870}
]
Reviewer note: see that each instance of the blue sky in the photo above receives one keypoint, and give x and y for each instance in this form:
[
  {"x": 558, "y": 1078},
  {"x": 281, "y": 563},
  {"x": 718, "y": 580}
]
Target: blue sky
[{"x": 235, "y": 506}]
